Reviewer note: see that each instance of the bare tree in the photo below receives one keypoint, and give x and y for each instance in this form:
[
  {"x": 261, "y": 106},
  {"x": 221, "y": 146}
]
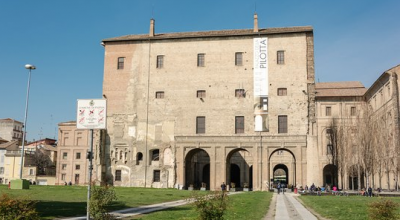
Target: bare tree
[
  {"x": 337, "y": 133},
  {"x": 366, "y": 132}
]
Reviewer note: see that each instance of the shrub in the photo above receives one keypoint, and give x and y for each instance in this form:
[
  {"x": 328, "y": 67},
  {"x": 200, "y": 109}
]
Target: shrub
[
  {"x": 384, "y": 209},
  {"x": 17, "y": 208},
  {"x": 100, "y": 198},
  {"x": 211, "y": 206}
]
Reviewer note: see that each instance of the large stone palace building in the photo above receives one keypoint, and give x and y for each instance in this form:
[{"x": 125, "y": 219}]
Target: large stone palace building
[{"x": 196, "y": 109}]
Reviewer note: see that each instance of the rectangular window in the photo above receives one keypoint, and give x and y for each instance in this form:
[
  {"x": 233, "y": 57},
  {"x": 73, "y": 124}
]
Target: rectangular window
[
  {"x": 239, "y": 124},
  {"x": 121, "y": 61},
  {"x": 160, "y": 95},
  {"x": 156, "y": 176},
  {"x": 63, "y": 176},
  {"x": 201, "y": 59},
  {"x": 65, "y": 155},
  {"x": 201, "y": 93},
  {"x": 77, "y": 167},
  {"x": 201, "y": 125},
  {"x": 282, "y": 92},
  {"x": 78, "y": 156},
  {"x": 328, "y": 111},
  {"x": 280, "y": 57},
  {"x": 118, "y": 175},
  {"x": 64, "y": 166},
  {"x": 282, "y": 124},
  {"x": 239, "y": 93},
  {"x": 160, "y": 61},
  {"x": 1, "y": 170},
  {"x": 353, "y": 111},
  {"x": 239, "y": 59},
  {"x": 155, "y": 155},
  {"x": 31, "y": 172}
]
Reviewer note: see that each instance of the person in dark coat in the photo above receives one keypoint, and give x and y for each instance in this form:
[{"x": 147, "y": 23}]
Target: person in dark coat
[
  {"x": 369, "y": 191},
  {"x": 279, "y": 187},
  {"x": 223, "y": 186}
]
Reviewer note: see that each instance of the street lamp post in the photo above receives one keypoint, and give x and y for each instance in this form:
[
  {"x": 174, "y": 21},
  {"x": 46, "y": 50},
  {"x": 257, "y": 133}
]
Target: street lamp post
[{"x": 30, "y": 68}]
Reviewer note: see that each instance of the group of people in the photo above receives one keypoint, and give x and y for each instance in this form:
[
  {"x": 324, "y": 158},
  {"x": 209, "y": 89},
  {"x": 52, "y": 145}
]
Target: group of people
[
  {"x": 367, "y": 192},
  {"x": 70, "y": 183}
]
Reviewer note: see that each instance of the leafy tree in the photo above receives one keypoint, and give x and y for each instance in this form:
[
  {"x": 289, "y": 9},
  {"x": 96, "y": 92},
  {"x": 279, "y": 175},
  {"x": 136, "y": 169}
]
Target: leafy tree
[{"x": 101, "y": 197}]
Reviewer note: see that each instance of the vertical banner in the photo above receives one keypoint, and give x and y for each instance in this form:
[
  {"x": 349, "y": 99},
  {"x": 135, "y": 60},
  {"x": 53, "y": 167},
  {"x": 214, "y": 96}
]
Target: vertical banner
[
  {"x": 261, "y": 83},
  {"x": 260, "y": 66}
]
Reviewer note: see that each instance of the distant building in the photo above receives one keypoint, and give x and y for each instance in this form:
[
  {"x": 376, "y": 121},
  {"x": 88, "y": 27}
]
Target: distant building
[
  {"x": 11, "y": 129},
  {"x": 3, "y": 149},
  {"x": 72, "y": 163},
  {"x": 39, "y": 162}
]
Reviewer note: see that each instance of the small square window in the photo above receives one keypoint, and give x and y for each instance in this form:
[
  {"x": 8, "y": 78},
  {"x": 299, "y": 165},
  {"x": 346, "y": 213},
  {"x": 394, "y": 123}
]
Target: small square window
[
  {"x": 77, "y": 167},
  {"x": 201, "y": 93},
  {"x": 156, "y": 176},
  {"x": 280, "y": 57},
  {"x": 64, "y": 166},
  {"x": 160, "y": 61},
  {"x": 78, "y": 155},
  {"x": 240, "y": 93},
  {"x": 282, "y": 92},
  {"x": 121, "y": 61},
  {"x": 238, "y": 59},
  {"x": 160, "y": 95},
  {"x": 328, "y": 111},
  {"x": 201, "y": 59}
]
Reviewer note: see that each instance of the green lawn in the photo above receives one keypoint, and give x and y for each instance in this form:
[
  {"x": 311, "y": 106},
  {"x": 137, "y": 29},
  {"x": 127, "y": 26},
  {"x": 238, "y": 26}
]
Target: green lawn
[
  {"x": 67, "y": 201},
  {"x": 341, "y": 207},
  {"x": 248, "y": 205}
]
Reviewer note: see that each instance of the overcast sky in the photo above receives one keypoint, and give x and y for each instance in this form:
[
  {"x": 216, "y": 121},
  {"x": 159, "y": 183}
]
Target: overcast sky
[{"x": 354, "y": 40}]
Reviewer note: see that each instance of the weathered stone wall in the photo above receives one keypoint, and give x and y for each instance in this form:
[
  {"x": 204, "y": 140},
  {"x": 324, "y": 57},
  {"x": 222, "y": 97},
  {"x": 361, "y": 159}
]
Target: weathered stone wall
[{"x": 139, "y": 123}]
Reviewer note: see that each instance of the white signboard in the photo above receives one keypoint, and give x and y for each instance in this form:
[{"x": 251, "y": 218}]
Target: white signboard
[
  {"x": 260, "y": 66},
  {"x": 91, "y": 114}
]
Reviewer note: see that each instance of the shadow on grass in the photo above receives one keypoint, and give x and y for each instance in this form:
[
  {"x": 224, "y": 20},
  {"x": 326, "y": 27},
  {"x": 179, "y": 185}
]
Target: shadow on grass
[{"x": 56, "y": 209}]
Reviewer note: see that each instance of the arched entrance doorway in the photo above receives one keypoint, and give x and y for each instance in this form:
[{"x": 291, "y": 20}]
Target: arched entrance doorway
[
  {"x": 281, "y": 174},
  {"x": 239, "y": 168},
  {"x": 282, "y": 163},
  {"x": 197, "y": 168},
  {"x": 330, "y": 175}
]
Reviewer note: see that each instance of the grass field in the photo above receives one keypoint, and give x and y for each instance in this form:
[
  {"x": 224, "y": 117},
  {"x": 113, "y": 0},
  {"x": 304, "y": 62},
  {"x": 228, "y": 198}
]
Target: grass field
[
  {"x": 67, "y": 201},
  {"x": 249, "y": 205},
  {"x": 342, "y": 207}
]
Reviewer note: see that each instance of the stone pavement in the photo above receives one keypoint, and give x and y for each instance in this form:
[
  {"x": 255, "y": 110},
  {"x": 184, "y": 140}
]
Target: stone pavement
[{"x": 286, "y": 207}]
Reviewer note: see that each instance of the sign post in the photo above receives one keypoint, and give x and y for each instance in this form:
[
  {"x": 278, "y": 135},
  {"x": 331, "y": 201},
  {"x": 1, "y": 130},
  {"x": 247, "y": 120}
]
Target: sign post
[{"x": 91, "y": 114}]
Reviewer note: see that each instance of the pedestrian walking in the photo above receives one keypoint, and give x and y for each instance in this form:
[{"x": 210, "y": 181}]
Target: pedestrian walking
[
  {"x": 369, "y": 191},
  {"x": 279, "y": 187}
]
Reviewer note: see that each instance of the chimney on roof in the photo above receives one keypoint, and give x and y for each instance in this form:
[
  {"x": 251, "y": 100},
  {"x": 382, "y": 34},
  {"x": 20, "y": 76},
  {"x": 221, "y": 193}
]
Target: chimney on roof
[
  {"x": 255, "y": 23},
  {"x": 151, "y": 34}
]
